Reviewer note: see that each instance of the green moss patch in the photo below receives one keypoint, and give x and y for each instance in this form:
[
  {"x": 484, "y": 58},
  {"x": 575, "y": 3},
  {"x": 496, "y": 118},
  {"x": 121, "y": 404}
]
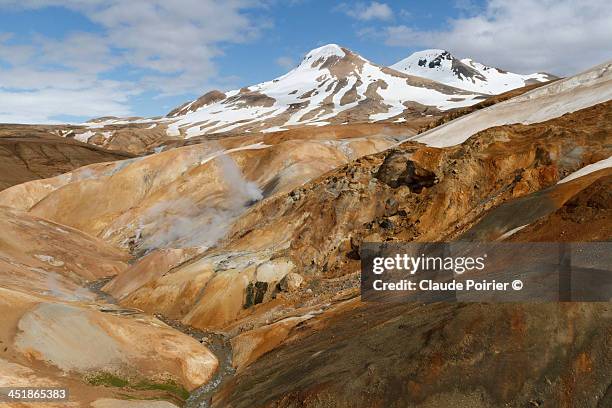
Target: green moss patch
[
  {"x": 169, "y": 388},
  {"x": 107, "y": 380}
]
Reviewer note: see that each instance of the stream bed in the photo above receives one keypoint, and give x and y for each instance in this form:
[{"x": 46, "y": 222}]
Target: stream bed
[
  {"x": 217, "y": 343},
  {"x": 221, "y": 347}
]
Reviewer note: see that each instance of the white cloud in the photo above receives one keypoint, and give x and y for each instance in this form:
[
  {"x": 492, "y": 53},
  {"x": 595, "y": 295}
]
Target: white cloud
[
  {"x": 557, "y": 36},
  {"x": 41, "y": 105},
  {"x": 172, "y": 44},
  {"x": 367, "y": 12},
  {"x": 285, "y": 62}
]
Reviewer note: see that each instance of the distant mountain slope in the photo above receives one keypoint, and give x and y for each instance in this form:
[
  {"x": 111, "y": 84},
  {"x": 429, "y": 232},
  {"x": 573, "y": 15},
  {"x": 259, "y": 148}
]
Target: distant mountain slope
[
  {"x": 442, "y": 66},
  {"x": 34, "y": 152},
  {"x": 332, "y": 85},
  {"x": 140, "y": 136}
]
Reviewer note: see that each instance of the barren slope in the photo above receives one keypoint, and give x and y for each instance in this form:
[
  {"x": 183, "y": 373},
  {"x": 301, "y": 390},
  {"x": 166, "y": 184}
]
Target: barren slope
[
  {"x": 34, "y": 152},
  {"x": 436, "y": 355},
  {"x": 316, "y": 229},
  {"x": 56, "y": 331},
  {"x": 184, "y": 197}
]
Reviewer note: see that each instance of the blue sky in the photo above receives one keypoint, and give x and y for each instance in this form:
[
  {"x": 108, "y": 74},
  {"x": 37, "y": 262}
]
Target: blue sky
[{"x": 70, "y": 60}]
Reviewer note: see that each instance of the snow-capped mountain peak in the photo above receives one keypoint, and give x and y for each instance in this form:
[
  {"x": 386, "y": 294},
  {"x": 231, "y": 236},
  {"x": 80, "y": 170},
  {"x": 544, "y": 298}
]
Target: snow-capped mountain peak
[
  {"x": 442, "y": 66},
  {"x": 334, "y": 85},
  {"x": 324, "y": 52},
  {"x": 328, "y": 56}
]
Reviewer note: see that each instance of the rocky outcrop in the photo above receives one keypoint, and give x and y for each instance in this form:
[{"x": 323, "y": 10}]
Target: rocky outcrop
[
  {"x": 398, "y": 170},
  {"x": 291, "y": 282}
]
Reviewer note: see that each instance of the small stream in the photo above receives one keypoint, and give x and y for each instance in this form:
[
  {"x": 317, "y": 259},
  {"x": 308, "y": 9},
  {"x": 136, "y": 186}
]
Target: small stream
[
  {"x": 221, "y": 347},
  {"x": 96, "y": 288},
  {"x": 217, "y": 343}
]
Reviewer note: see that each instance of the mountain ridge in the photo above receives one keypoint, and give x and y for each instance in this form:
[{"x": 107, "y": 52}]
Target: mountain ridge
[
  {"x": 329, "y": 85},
  {"x": 332, "y": 85},
  {"x": 440, "y": 65}
]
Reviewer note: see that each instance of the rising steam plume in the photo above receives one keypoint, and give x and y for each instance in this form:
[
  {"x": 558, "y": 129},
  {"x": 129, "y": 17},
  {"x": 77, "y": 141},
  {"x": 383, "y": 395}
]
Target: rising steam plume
[{"x": 190, "y": 224}]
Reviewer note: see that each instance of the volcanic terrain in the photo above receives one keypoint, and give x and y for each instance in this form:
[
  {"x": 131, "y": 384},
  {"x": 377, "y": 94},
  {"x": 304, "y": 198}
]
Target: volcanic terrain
[{"x": 218, "y": 263}]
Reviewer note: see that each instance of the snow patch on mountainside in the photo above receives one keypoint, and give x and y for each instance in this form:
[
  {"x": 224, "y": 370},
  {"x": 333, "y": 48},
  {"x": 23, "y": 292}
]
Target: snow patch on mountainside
[
  {"x": 329, "y": 50},
  {"x": 547, "y": 102}
]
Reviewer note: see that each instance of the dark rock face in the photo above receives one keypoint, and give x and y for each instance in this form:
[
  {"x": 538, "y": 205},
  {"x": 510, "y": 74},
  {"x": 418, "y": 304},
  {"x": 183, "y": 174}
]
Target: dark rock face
[
  {"x": 393, "y": 166},
  {"x": 459, "y": 68},
  {"x": 462, "y": 70},
  {"x": 398, "y": 170},
  {"x": 436, "y": 62},
  {"x": 251, "y": 98},
  {"x": 416, "y": 177},
  {"x": 255, "y": 293}
]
